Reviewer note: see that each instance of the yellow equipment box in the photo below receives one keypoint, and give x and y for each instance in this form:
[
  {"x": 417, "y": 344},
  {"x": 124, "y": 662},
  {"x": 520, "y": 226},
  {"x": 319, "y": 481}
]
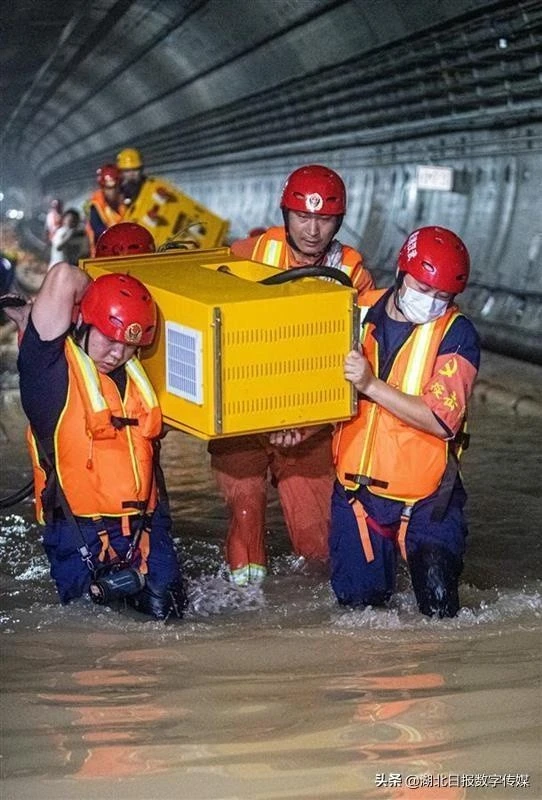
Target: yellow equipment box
[
  {"x": 171, "y": 215},
  {"x": 234, "y": 356}
]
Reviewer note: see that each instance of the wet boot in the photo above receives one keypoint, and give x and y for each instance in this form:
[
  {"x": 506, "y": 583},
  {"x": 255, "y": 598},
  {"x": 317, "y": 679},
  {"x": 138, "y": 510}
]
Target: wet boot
[
  {"x": 160, "y": 605},
  {"x": 435, "y": 572}
]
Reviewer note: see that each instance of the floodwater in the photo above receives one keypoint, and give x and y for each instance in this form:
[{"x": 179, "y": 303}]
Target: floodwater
[{"x": 276, "y": 692}]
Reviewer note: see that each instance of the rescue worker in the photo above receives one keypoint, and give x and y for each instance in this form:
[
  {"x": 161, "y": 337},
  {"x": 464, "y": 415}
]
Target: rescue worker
[
  {"x": 398, "y": 485},
  {"x": 95, "y": 425},
  {"x": 125, "y": 239},
  {"x": 130, "y": 166},
  {"x": 70, "y": 241},
  {"x": 313, "y": 204},
  {"x": 53, "y": 218},
  {"x": 105, "y": 207}
]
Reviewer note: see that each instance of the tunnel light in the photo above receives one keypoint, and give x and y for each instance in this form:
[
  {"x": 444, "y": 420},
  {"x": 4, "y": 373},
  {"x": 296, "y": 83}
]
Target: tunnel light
[
  {"x": 1, "y": 196},
  {"x": 14, "y": 213},
  {"x": 503, "y": 43}
]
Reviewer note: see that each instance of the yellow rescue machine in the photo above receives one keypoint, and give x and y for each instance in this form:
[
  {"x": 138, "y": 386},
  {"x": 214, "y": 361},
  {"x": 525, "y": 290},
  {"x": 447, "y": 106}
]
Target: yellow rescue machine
[
  {"x": 169, "y": 214},
  {"x": 235, "y": 356}
]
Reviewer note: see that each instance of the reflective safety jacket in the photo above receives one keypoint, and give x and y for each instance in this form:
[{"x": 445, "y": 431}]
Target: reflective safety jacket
[
  {"x": 108, "y": 216},
  {"x": 103, "y": 444},
  {"x": 271, "y": 248},
  {"x": 378, "y": 450}
]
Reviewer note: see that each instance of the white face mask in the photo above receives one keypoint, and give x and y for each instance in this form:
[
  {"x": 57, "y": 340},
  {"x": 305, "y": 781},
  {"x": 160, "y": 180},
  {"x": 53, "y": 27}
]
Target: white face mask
[{"x": 419, "y": 307}]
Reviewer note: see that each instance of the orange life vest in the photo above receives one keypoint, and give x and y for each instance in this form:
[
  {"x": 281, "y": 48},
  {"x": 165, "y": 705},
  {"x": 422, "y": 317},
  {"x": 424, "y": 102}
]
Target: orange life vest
[
  {"x": 271, "y": 248},
  {"x": 103, "y": 470},
  {"x": 390, "y": 457},
  {"x": 108, "y": 215}
]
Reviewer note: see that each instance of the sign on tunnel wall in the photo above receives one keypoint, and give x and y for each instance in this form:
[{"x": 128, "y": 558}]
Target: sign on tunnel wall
[{"x": 437, "y": 178}]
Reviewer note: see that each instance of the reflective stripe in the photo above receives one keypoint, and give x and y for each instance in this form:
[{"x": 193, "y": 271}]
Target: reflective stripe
[
  {"x": 138, "y": 375},
  {"x": 272, "y": 253},
  {"x": 89, "y": 373},
  {"x": 365, "y": 460},
  {"x": 412, "y": 379},
  {"x": 92, "y": 380}
]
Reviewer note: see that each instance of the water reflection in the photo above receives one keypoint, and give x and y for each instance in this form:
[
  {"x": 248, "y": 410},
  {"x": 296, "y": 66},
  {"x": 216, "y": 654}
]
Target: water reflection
[
  {"x": 402, "y": 724},
  {"x": 275, "y": 692}
]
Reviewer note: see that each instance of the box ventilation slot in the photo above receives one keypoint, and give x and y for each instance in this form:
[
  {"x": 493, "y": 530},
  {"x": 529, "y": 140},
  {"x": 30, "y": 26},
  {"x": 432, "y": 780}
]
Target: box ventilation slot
[{"x": 184, "y": 362}]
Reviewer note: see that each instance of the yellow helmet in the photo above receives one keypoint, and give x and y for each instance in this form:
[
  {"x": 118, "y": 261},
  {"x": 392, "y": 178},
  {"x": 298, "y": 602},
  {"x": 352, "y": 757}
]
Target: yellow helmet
[{"x": 129, "y": 159}]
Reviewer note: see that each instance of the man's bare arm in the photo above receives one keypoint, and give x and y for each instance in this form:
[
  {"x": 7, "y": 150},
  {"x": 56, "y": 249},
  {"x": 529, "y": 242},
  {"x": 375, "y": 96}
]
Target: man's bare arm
[{"x": 62, "y": 289}]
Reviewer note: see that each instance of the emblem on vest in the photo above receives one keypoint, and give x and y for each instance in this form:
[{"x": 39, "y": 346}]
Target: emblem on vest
[
  {"x": 313, "y": 202},
  {"x": 133, "y": 333}
]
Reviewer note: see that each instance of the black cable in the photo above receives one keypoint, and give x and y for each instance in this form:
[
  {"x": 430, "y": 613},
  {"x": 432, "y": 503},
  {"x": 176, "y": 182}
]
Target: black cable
[
  {"x": 18, "y": 496},
  {"x": 12, "y": 301},
  {"x": 294, "y": 273}
]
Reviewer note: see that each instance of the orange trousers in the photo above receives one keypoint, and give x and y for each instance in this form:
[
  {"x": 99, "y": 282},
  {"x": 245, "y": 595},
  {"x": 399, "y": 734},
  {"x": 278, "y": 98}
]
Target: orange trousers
[{"x": 304, "y": 477}]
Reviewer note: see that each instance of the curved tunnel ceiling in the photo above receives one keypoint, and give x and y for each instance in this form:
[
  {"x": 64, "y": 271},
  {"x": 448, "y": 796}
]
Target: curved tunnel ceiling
[
  {"x": 224, "y": 97},
  {"x": 204, "y": 79}
]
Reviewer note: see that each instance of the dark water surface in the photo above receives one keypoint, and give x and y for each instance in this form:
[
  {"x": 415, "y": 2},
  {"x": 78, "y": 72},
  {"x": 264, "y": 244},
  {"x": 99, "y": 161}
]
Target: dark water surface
[{"x": 275, "y": 692}]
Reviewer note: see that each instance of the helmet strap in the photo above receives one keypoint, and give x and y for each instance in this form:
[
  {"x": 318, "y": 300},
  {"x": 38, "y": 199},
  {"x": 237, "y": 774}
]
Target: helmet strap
[
  {"x": 399, "y": 278},
  {"x": 286, "y": 219},
  {"x": 81, "y": 335},
  {"x": 340, "y": 218}
]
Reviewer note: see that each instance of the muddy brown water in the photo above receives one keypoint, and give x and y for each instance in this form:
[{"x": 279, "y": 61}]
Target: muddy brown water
[{"x": 276, "y": 692}]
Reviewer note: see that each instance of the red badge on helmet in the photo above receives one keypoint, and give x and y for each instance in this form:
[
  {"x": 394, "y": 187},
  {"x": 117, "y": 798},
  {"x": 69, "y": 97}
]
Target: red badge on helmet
[
  {"x": 133, "y": 333},
  {"x": 313, "y": 202}
]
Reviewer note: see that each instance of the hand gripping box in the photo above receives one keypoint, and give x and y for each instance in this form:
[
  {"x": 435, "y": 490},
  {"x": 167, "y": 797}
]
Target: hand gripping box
[{"x": 235, "y": 356}]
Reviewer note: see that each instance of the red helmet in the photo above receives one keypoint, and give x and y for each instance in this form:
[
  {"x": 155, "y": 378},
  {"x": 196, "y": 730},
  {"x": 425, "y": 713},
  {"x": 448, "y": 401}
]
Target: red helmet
[
  {"x": 124, "y": 239},
  {"x": 314, "y": 189},
  {"x": 121, "y": 308},
  {"x": 108, "y": 176},
  {"x": 437, "y": 257}
]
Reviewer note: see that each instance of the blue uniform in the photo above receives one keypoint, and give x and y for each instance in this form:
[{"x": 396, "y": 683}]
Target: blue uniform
[
  {"x": 43, "y": 371},
  {"x": 435, "y": 543}
]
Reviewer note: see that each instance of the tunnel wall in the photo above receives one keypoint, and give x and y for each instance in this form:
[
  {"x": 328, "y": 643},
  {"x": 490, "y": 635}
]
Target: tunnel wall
[
  {"x": 494, "y": 205},
  {"x": 226, "y": 106}
]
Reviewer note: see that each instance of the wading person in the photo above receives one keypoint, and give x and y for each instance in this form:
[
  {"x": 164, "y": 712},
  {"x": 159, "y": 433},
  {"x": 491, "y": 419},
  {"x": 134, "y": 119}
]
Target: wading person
[
  {"x": 132, "y": 177},
  {"x": 94, "y": 430},
  {"x": 69, "y": 242},
  {"x": 125, "y": 239},
  {"x": 105, "y": 207},
  {"x": 398, "y": 486},
  {"x": 53, "y": 218},
  {"x": 313, "y": 204}
]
